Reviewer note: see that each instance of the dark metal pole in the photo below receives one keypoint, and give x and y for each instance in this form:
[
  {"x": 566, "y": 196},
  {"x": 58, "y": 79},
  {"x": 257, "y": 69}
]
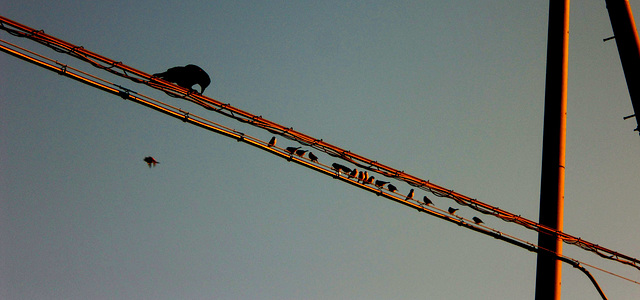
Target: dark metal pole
[
  {"x": 626, "y": 35},
  {"x": 549, "y": 272}
]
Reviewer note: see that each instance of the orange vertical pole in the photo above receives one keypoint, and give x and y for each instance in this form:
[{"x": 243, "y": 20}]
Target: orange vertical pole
[{"x": 549, "y": 271}]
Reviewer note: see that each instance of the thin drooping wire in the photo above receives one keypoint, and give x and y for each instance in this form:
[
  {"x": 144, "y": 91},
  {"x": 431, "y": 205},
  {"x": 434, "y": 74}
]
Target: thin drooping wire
[
  {"x": 137, "y": 76},
  {"x": 241, "y": 137}
]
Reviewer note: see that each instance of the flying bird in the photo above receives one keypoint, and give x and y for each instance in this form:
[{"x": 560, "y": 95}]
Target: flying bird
[
  {"x": 453, "y": 210},
  {"x": 301, "y": 152},
  {"x": 426, "y": 200},
  {"x": 392, "y": 188},
  {"x": 380, "y": 183},
  {"x": 477, "y": 220},
  {"x": 410, "y": 195},
  {"x": 272, "y": 142},
  {"x": 150, "y": 160},
  {"x": 312, "y": 157},
  {"x": 292, "y": 150},
  {"x": 186, "y": 77}
]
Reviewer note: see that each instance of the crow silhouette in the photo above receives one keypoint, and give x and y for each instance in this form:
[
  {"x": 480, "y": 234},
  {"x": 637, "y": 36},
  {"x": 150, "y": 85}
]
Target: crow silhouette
[{"x": 186, "y": 77}]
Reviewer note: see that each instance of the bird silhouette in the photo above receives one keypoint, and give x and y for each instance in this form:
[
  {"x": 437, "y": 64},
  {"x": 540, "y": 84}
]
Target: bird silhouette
[
  {"x": 370, "y": 180},
  {"x": 150, "y": 160},
  {"x": 353, "y": 173},
  {"x": 477, "y": 220},
  {"x": 410, "y": 195},
  {"x": 361, "y": 176},
  {"x": 186, "y": 77},
  {"x": 338, "y": 167},
  {"x": 365, "y": 177},
  {"x": 453, "y": 210},
  {"x": 312, "y": 157},
  {"x": 292, "y": 150},
  {"x": 392, "y": 188},
  {"x": 272, "y": 142},
  {"x": 426, "y": 200},
  {"x": 380, "y": 183},
  {"x": 301, "y": 152}
]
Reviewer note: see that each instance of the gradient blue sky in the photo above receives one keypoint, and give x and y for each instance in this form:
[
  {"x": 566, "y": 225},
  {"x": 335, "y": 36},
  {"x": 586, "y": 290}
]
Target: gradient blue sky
[{"x": 450, "y": 91}]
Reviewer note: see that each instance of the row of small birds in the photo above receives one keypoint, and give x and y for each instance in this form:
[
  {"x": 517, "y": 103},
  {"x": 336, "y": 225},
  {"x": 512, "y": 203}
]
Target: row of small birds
[
  {"x": 190, "y": 75},
  {"x": 363, "y": 177}
]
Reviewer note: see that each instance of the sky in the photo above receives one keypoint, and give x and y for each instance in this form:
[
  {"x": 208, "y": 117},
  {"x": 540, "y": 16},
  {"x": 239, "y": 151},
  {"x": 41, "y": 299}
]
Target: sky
[{"x": 449, "y": 91}]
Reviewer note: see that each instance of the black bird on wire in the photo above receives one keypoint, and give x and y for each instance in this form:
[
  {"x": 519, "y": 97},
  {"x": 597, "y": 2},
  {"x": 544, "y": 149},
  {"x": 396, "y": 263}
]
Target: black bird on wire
[
  {"x": 272, "y": 142},
  {"x": 453, "y": 210},
  {"x": 347, "y": 170},
  {"x": 186, "y": 77},
  {"x": 370, "y": 180},
  {"x": 477, "y": 220},
  {"x": 312, "y": 157},
  {"x": 392, "y": 188},
  {"x": 337, "y": 167},
  {"x": 410, "y": 195},
  {"x": 380, "y": 183},
  {"x": 301, "y": 152},
  {"x": 426, "y": 200},
  {"x": 292, "y": 150},
  {"x": 150, "y": 160},
  {"x": 353, "y": 173}
]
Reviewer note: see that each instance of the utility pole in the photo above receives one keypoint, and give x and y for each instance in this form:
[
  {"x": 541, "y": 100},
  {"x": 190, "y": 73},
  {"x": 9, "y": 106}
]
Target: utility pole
[
  {"x": 549, "y": 272},
  {"x": 626, "y": 36}
]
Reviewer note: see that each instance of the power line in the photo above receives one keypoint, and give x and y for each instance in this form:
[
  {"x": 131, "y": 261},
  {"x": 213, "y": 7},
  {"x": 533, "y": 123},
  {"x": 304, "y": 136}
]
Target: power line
[
  {"x": 362, "y": 162},
  {"x": 283, "y": 153}
]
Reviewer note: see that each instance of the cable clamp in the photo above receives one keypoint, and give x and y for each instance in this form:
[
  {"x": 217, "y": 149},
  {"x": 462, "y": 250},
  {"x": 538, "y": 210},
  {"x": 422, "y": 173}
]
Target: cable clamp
[{"x": 63, "y": 69}]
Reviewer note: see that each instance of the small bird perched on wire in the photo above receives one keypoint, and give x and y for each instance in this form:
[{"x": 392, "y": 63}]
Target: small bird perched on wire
[
  {"x": 186, "y": 77},
  {"x": 380, "y": 183},
  {"x": 150, "y": 160},
  {"x": 426, "y": 200},
  {"x": 272, "y": 142},
  {"x": 370, "y": 180},
  {"x": 410, "y": 195},
  {"x": 477, "y": 220},
  {"x": 312, "y": 157},
  {"x": 392, "y": 188},
  {"x": 301, "y": 152},
  {"x": 453, "y": 210},
  {"x": 292, "y": 150},
  {"x": 338, "y": 167}
]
